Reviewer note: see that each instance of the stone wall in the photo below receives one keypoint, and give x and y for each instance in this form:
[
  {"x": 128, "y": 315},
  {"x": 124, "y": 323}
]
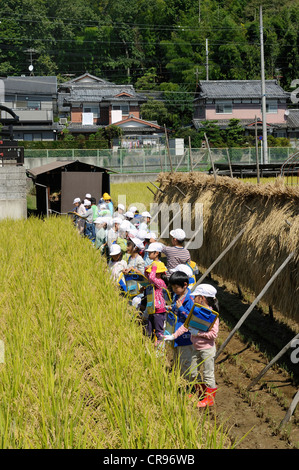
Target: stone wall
[{"x": 13, "y": 202}]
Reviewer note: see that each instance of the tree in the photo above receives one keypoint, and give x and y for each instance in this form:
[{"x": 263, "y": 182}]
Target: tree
[
  {"x": 234, "y": 135},
  {"x": 213, "y": 133},
  {"x": 154, "y": 110},
  {"x": 112, "y": 132}
]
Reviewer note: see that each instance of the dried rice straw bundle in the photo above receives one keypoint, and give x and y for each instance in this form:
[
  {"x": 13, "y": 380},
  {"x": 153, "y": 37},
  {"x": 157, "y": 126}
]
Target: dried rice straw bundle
[{"x": 266, "y": 242}]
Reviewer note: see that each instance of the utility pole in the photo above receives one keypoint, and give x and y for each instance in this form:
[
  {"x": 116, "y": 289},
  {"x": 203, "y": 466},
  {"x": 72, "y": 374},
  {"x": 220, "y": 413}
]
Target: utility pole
[
  {"x": 196, "y": 74},
  {"x": 264, "y": 142},
  {"x": 207, "y": 59}
]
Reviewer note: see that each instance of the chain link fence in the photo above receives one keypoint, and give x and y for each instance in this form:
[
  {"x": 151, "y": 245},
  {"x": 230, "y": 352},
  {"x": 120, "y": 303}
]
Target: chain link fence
[{"x": 155, "y": 159}]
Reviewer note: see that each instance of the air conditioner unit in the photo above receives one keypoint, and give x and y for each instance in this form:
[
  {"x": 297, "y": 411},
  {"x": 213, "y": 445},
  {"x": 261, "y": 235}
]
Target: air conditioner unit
[{"x": 62, "y": 120}]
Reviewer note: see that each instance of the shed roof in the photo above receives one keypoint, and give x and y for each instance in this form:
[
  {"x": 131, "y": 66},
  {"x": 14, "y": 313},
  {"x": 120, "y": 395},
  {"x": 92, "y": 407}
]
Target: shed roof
[
  {"x": 34, "y": 172},
  {"x": 222, "y": 89}
]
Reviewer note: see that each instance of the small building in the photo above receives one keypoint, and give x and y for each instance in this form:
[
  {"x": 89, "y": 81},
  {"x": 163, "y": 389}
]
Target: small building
[{"x": 59, "y": 182}]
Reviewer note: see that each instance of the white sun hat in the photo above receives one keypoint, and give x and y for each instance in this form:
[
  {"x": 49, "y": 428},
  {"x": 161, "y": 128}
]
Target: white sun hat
[
  {"x": 121, "y": 206},
  {"x": 129, "y": 214},
  {"x": 88, "y": 195},
  {"x": 114, "y": 249},
  {"x": 178, "y": 233},
  {"x": 137, "y": 242},
  {"x": 183, "y": 268},
  {"x": 141, "y": 234},
  {"x": 102, "y": 220},
  {"x": 133, "y": 232},
  {"x": 77, "y": 199},
  {"x": 125, "y": 226},
  {"x": 204, "y": 289},
  {"x": 116, "y": 220},
  {"x": 99, "y": 220},
  {"x": 156, "y": 246},
  {"x": 87, "y": 202},
  {"x": 150, "y": 235},
  {"x": 133, "y": 209},
  {"x": 146, "y": 214}
]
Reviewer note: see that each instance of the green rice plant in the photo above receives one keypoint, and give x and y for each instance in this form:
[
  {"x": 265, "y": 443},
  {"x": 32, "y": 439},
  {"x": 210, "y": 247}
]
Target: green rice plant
[
  {"x": 135, "y": 193},
  {"x": 78, "y": 371}
]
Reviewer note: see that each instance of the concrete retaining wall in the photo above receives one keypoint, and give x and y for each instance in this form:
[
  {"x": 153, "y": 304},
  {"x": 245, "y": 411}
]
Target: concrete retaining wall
[
  {"x": 13, "y": 202},
  {"x": 133, "y": 178}
]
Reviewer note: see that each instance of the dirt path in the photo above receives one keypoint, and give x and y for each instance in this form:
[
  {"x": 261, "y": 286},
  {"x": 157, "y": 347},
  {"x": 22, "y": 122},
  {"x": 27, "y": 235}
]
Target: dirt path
[{"x": 260, "y": 410}]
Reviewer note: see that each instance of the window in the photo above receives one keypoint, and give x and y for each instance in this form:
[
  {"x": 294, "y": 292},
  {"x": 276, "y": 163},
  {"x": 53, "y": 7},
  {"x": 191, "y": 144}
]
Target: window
[
  {"x": 124, "y": 108},
  {"x": 271, "y": 107},
  {"x": 33, "y": 104},
  {"x": 92, "y": 109},
  {"x": 224, "y": 107}
]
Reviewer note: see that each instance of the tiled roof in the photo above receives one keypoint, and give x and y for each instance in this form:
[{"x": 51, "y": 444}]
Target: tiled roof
[
  {"x": 293, "y": 118},
  {"x": 31, "y": 85},
  {"x": 102, "y": 92},
  {"x": 221, "y": 89}
]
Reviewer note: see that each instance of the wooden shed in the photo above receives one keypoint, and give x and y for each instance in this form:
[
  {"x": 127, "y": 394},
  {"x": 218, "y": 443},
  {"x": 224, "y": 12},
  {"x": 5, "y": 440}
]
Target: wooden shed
[{"x": 59, "y": 182}]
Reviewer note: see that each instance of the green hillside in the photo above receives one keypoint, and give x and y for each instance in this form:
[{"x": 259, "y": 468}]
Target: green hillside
[{"x": 150, "y": 43}]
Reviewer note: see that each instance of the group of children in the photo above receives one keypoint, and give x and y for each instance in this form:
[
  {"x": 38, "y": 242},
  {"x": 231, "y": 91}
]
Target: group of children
[{"x": 124, "y": 237}]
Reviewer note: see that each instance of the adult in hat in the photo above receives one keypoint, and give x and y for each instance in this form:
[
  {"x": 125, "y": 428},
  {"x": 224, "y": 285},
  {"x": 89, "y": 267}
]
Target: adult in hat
[
  {"x": 80, "y": 210},
  {"x": 89, "y": 230}
]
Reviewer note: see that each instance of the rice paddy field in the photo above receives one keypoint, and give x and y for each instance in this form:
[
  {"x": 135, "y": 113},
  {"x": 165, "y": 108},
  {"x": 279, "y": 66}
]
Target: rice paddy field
[
  {"x": 76, "y": 370},
  {"x": 79, "y": 374}
]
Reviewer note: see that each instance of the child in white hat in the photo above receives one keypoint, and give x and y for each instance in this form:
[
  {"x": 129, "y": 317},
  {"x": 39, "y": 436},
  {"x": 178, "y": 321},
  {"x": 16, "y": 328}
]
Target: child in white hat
[
  {"x": 135, "y": 261},
  {"x": 203, "y": 345},
  {"x": 176, "y": 254},
  {"x": 116, "y": 263},
  {"x": 146, "y": 219}
]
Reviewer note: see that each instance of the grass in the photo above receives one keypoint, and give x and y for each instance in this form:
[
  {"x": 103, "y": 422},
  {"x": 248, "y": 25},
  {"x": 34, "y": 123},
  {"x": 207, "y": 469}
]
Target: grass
[
  {"x": 288, "y": 181},
  {"x": 136, "y": 194},
  {"x": 78, "y": 372}
]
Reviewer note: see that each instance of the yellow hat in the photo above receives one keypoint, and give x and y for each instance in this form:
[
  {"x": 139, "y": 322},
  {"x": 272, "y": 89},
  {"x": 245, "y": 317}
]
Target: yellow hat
[
  {"x": 161, "y": 268},
  {"x": 106, "y": 196}
]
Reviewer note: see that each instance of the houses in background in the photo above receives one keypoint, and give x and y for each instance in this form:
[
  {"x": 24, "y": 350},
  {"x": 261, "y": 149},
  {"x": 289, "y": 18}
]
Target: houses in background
[
  {"x": 223, "y": 100},
  {"x": 33, "y": 100},
  {"x": 87, "y": 103},
  {"x": 91, "y": 103}
]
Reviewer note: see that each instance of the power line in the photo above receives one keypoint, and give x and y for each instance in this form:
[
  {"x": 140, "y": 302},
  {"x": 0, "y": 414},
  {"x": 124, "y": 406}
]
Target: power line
[
  {"x": 97, "y": 23},
  {"x": 161, "y": 43}
]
